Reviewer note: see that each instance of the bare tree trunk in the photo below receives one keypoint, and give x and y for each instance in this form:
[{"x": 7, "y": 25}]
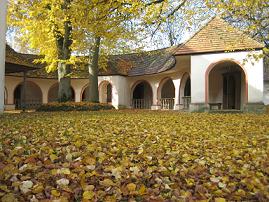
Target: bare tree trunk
[
  {"x": 64, "y": 53},
  {"x": 64, "y": 91},
  {"x": 93, "y": 72}
]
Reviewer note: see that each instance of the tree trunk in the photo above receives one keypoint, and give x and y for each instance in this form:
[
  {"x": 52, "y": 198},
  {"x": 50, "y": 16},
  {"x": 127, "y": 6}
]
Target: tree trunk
[
  {"x": 64, "y": 43},
  {"x": 93, "y": 72},
  {"x": 64, "y": 91}
]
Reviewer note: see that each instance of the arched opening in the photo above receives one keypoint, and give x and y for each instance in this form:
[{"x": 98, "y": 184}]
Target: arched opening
[
  {"x": 185, "y": 91},
  {"x": 85, "y": 94},
  {"x": 32, "y": 97},
  {"x": 53, "y": 93},
  {"x": 5, "y": 96},
  {"x": 142, "y": 95},
  {"x": 227, "y": 86},
  {"x": 105, "y": 92},
  {"x": 167, "y": 94}
]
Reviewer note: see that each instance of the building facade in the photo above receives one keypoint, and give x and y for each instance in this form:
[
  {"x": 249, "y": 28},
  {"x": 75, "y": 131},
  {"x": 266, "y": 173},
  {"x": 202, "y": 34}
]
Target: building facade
[{"x": 215, "y": 69}]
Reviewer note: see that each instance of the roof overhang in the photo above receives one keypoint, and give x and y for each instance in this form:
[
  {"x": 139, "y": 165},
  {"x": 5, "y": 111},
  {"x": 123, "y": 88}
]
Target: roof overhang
[
  {"x": 15, "y": 68},
  {"x": 194, "y": 52}
]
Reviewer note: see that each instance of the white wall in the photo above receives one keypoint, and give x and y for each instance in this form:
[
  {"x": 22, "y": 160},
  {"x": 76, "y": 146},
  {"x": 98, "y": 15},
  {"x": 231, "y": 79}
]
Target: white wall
[
  {"x": 121, "y": 86},
  {"x": 119, "y": 89},
  {"x": 11, "y": 82},
  {"x": 200, "y": 63},
  {"x": 155, "y": 82},
  {"x": 3, "y": 7}
]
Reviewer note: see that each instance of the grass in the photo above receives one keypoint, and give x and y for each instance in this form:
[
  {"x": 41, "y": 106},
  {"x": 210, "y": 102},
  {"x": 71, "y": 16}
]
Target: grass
[{"x": 140, "y": 155}]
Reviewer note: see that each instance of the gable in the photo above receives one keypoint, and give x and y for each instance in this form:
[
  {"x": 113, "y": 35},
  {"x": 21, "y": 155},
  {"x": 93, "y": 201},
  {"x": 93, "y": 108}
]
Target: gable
[{"x": 218, "y": 36}]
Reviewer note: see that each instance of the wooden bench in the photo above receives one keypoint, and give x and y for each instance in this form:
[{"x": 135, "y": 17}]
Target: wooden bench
[{"x": 213, "y": 105}]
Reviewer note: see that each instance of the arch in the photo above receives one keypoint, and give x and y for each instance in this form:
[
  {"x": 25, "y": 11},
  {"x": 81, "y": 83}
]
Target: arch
[
  {"x": 228, "y": 68},
  {"x": 159, "y": 89},
  {"x": 184, "y": 86},
  {"x": 141, "y": 95},
  {"x": 5, "y": 96},
  {"x": 84, "y": 93},
  {"x": 33, "y": 95},
  {"x": 53, "y": 93},
  {"x": 166, "y": 93},
  {"x": 105, "y": 92}
]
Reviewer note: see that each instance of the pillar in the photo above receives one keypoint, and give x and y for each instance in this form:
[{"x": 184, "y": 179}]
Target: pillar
[
  {"x": 155, "y": 104},
  {"x": 177, "y": 94},
  {"x": 45, "y": 94},
  {"x": 3, "y": 11},
  {"x": 23, "y": 100},
  {"x": 77, "y": 94}
]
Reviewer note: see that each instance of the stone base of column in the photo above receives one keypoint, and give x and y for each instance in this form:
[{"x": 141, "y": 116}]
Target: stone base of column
[
  {"x": 178, "y": 107},
  {"x": 10, "y": 107},
  {"x": 155, "y": 107},
  {"x": 198, "y": 107},
  {"x": 254, "y": 108}
]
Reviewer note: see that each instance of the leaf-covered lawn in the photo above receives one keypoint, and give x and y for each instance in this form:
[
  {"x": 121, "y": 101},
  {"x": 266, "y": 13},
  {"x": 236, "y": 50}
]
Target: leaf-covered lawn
[{"x": 135, "y": 156}]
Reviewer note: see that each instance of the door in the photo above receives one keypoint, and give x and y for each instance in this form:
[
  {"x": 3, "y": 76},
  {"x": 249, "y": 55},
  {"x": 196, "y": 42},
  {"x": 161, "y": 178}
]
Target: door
[{"x": 229, "y": 91}]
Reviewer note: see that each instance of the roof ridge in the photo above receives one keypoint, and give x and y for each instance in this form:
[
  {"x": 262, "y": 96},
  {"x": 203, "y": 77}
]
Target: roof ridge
[
  {"x": 144, "y": 52},
  {"x": 218, "y": 35}
]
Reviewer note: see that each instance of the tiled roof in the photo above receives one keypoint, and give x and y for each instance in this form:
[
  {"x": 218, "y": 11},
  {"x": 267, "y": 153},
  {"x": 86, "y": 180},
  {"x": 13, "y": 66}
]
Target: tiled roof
[
  {"x": 218, "y": 36},
  {"x": 135, "y": 64},
  {"x": 151, "y": 62},
  {"x": 14, "y": 57}
]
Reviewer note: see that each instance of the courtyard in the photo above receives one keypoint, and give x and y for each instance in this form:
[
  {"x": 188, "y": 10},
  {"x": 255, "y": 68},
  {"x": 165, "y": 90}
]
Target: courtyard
[{"x": 134, "y": 155}]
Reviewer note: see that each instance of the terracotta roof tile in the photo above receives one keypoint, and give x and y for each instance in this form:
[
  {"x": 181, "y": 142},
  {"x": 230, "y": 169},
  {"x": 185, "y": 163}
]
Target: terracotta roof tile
[
  {"x": 17, "y": 62},
  {"x": 14, "y": 57},
  {"x": 134, "y": 64},
  {"x": 217, "y": 36}
]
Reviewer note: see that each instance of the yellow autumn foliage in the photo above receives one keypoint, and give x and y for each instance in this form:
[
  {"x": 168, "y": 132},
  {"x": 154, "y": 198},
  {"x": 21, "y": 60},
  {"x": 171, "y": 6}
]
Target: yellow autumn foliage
[{"x": 136, "y": 155}]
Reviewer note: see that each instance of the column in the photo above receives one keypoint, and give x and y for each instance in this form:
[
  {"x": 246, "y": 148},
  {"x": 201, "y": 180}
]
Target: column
[
  {"x": 77, "y": 94},
  {"x": 3, "y": 11},
  {"x": 177, "y": 94},
  {"x": 23, "y": 98},
  {"x": 154, "y": 86},
  {"x": 45, "y": 94}
]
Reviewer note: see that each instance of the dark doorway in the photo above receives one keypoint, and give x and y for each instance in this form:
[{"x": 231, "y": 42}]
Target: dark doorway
[
  {"x": 139, "y": 91},
  {"x": 18, "y": 96},
  {"x": 187, "y": 89},
  {"x": 142, "y": 96},
  {"x": 232, "y": 90},
  {"x": 109, "y": 93}
]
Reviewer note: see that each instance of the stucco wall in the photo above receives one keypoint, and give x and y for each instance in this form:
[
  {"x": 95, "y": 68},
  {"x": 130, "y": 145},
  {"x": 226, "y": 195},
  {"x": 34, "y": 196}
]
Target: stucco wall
[
  {"x": 11, "y": 82},
  {"x": 156, "y": 82},
  {"x": 119, "y": 84},
  {"x": 122, "y": 86},
  {"x": 200, "y": 63},
  {"x": 216, "y": 87},
  {"x": 119, "y": 89}
]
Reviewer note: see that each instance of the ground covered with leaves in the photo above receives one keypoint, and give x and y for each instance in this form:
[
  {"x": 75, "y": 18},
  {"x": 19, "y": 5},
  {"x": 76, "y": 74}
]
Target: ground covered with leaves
[{"x": 134, "y": 156}]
